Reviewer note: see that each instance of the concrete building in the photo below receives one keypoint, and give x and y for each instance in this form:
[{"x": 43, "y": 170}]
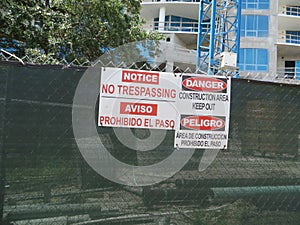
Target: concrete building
[{"x": 269, "y": 29}]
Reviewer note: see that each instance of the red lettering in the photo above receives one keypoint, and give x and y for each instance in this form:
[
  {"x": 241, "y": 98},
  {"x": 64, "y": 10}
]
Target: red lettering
[
  {"x": 108, "y": 88},
  {"x": 203, "y": 123},
  {"x": 204, "y": 84},
  {"x": 136, "y": 76},
  {"x": 138, "y": 109}
]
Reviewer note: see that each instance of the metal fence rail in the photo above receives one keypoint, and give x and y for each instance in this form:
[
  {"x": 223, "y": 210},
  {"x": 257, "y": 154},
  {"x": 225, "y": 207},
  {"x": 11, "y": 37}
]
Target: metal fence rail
[{"x": 45, "y": 180}]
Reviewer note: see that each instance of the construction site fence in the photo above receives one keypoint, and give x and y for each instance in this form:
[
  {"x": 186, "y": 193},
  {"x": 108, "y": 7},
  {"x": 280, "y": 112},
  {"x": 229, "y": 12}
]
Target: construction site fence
[{"x": 45, "y": 180}]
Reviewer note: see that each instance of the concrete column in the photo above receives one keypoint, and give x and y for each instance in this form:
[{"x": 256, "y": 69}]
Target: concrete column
[
  {"x": 162, "y": 15},
  {"x": 273, "y": 38},
  {"x": 169, "y": 66}
]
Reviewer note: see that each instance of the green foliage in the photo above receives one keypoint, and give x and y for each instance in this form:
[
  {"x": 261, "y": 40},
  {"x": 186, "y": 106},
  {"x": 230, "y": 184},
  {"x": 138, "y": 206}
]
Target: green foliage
[{"x": 70, "y": 29}]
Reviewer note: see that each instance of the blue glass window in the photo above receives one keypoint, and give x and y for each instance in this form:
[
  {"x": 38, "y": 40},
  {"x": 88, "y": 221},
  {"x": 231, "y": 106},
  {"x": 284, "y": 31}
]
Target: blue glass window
[
  {"x": 255, "y": 4},
  {"x": 253, "y": 59},
  {"x": 254, "y": 26},
  {"x": 297, "y": 70}
]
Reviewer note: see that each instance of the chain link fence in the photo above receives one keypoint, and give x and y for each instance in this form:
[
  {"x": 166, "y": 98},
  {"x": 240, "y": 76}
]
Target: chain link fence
[
  {"x": 283, "y": 75},
  {"x": 45, "y": 180}
]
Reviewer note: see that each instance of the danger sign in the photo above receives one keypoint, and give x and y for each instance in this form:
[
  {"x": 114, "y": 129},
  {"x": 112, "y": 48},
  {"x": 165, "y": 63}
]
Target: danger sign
[
  {"x": 204, "y": 84},
  {"x": 204, "y": 106},
  {"x": 202, "y": 123}
]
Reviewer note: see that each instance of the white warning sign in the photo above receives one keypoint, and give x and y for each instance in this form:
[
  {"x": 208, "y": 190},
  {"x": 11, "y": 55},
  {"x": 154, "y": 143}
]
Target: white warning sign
[
  {"x": 204, "y": 106},
  {"x": 196, "y": 107},
  {"x": 138, "y": 99}
]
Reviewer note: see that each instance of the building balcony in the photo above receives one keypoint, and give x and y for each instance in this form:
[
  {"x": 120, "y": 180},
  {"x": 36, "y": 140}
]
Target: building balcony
[
  {"x": 188, "y": 9},
  {"x": 288, "y": 44},
  {"x": 291, "y": 10},
  {"x": 289, "y": 38},
  {"x": 292, "y": 73},
  {"x": 292, "y": 37},
  {"x": 289, "y": 19}
]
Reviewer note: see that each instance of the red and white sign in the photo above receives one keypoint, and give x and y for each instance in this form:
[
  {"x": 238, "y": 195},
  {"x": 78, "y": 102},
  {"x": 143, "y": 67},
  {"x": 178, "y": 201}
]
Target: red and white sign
[
  {"x": 205, "y": 84},
  {"x": 202, "y": 123},
  {"x": 204, "y": 106},
  {"x": 131, "y": 108},
  {"x": 138, "y": 99},
  {"x": 144, "y": 77},
  {"x": 196, "y": 106}
]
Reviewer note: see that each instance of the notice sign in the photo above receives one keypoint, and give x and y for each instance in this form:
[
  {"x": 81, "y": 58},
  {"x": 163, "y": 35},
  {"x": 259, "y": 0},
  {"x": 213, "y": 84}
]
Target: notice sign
[
  {"x": 204, "y": 106},
  {"x": 138, "y": 99}
]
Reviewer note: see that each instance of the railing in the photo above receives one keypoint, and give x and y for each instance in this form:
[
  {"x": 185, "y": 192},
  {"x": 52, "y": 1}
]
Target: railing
[
  {"x": 286, "y": 37},
  {"x": 176, "y": 26},
  {"x": 291, "y": 10},
  {"x": 288, "y": 73},
  {"x": 292, "y": 38},
  {"x": 179, "y": 26}
]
